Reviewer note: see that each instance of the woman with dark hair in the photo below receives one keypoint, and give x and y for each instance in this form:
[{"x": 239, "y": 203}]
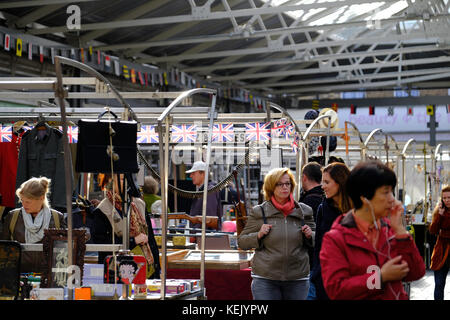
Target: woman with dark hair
[
  {"x": 366, "y": 254},
  {"x": 440, "y": 225},
  {"x": 336, "y": 202}
]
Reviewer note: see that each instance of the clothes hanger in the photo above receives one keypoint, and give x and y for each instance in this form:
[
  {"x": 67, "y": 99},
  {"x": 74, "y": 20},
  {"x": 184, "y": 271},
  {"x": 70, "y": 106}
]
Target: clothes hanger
[{"x": 41, "y": 125}]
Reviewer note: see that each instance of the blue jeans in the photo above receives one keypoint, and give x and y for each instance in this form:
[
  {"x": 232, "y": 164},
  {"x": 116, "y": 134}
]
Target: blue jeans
[
  {"x": 311, "y": 292},
  {"x": 266, "y": 289},
  {"x": 439, "y": 282}
]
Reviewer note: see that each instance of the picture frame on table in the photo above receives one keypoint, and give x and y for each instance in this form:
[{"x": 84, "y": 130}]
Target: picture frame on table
[{"x": 55, "y": 249}]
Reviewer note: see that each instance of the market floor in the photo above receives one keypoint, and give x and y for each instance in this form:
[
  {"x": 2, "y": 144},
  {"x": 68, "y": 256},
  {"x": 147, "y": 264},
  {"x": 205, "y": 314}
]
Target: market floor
[{"x": 423, "y": 289}]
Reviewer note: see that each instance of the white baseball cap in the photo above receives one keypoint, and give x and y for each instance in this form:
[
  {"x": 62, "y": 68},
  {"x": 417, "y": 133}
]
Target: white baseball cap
[{"x": 198, "y": 166}]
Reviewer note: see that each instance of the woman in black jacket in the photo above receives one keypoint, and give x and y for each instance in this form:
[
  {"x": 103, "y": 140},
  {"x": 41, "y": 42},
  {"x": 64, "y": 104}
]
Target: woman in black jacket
[{"x": 336, "y": 202}]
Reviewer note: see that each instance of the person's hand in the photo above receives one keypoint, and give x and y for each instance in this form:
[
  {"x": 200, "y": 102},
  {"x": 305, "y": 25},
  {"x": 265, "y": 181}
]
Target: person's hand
[
  {"x": 441, "y": 208},
  {"x": 307, "y": 231},
  {"x": 141, "y": 238},
  {"x": 394, "y": 269},
  {"x": 265, "y": 229},
  {"x": 396, "y": 218}
]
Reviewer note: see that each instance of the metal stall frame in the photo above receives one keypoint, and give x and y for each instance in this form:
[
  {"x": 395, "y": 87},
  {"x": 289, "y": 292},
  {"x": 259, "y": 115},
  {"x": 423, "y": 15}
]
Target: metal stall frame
[
  {"x": 57, "y": 85},
  {"x": 163, "y": 130}
]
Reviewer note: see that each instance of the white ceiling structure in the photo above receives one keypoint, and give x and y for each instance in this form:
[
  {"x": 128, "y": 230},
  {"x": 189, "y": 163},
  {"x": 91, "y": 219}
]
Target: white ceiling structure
[{"x": 290, "y": 47}]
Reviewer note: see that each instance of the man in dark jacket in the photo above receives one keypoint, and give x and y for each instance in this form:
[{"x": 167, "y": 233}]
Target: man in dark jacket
[
  {"x": 213, "y": 205},
  {"x": 312, "y": 193}
]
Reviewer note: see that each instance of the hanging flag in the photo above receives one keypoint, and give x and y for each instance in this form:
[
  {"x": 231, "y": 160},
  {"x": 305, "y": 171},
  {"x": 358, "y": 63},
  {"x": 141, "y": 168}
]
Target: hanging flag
[
  {"x": 5, "y": 133},
  {"x": 184, "y": 133},
  {"x": 7, "y": 43},
  {"x": 371, "y": 110},
  {"x": 52, "y": 53},
  {"x": 283, "y": 128},
  {"x": 19, "y": 47},
  {"x": 315, "y": 105},
  {"x": 30, "y": 51},
  {"x": 125, "y": 71},
  {"x": 223, "y": 132},
  {"x": 90, "y": 54},
  {"x": 448, "y": 108},
  {"x": 116, "y": 67},
  {"x": 72, "y": 53},
  {"x": 147, "y": 134},
  {"x": 410, "y": 111},
  {"x": 257, "y": 131},
  {"x": 390, "y": 111},
  {"x": 165, "y": 79},
  {"x": 72, "y": 133},
  {"x": 430, "y": 110},
  {"x": 296, "y": 142},
  {"x": 107, "y": 61},
  {"x": 82, "y": 54},
  {"x": 352, "y": 109},
  {"x": 141, "y": 78},
  {"x": 133, "y": 76},
  {"x": 99, "y": 57},
  {"x": 41, "y": 54}
]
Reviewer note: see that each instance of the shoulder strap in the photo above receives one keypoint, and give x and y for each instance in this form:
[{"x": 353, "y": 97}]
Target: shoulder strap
[
  {"x": 12, "y": 224},
  {"x": 55, "y": 218},
  {"x": 263, "y": 214}
]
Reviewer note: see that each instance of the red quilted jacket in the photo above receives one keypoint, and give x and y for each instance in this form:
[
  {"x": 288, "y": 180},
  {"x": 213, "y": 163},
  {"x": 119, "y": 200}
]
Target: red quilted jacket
[{"x": 348, "y": 262}]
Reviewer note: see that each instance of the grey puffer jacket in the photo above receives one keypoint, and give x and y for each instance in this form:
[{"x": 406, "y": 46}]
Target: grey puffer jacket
[{"x": 283, "y": 253}]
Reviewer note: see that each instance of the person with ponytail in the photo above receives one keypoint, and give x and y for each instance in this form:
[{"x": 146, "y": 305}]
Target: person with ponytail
[
  {"x": 281, "y": 230},
  {"x": 27, "y": 224}
]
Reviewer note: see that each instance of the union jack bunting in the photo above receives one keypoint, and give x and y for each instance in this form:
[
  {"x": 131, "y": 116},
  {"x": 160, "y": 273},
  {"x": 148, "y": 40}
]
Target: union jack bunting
[
  {"x": 147, "y": 134},
  {"x": 296, "y": 142},
  {"x": 223, "y": 132},
  {"x": 283, "y": 128},
  {"x": 5, "y": 133},
  {"x": 184, "y": 133},
  {"x": 72, "y": 133},
  {"x": 257, "y": 131}
]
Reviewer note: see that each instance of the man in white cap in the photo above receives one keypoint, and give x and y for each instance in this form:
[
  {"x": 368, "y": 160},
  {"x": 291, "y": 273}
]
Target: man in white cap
[{"x": 213, "y": 205}]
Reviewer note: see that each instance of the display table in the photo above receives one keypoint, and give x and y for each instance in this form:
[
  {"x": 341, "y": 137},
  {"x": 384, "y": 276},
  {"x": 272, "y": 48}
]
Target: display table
[{"x": 220, "y": 284}]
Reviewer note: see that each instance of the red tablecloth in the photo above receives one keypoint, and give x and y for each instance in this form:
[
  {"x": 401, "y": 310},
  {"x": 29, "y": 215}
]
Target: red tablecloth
[{"x": 220, "y": 284}]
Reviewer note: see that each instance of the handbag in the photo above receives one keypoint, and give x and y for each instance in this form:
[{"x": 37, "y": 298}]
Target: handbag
[{"x": 94, "y": 150}]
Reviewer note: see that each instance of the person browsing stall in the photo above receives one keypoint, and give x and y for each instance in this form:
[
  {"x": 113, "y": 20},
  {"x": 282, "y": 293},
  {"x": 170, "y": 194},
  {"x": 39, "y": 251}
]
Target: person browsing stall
[
  {"x": 27, "y": 224},
  {"x": 368, "y": 252},
  {"x": 213, "y": 205},
  {"x": 440, "y": 260},
  {"x": 281, "y": 230},
  {"x": 108, "y": 223}
]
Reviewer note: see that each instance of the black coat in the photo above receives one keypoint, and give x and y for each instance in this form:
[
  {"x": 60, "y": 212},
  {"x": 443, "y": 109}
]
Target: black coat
[
  {"x": 41, "y": 154},
  {"x": 313, "y": 198},
  {"x": 326, "y": 214}
]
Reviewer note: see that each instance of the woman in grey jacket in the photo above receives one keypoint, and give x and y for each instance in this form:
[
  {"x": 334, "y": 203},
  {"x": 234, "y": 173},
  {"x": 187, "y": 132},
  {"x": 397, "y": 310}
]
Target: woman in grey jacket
[{"x": 280, "y": 230}]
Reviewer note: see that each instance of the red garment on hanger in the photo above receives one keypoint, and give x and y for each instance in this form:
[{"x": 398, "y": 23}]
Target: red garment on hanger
[{"x": 9, "y": 157}]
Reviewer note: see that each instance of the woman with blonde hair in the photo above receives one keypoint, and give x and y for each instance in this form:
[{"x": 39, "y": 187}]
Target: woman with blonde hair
[
  {"x": 440, "y": 225},
  {"x": 27, "y": 224},
  {"x": 281, "y": 230}
]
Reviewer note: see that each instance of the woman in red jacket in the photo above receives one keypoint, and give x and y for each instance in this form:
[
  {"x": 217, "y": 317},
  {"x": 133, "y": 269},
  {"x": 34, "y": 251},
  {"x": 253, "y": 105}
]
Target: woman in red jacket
[
  {"x": 440, "y": 225},
  {"x": 366, "y": 255}
]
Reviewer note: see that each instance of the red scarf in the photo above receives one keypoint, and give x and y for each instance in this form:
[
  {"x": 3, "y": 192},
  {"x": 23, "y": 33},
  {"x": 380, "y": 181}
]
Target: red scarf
[{"x": 286, "y": 208}]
